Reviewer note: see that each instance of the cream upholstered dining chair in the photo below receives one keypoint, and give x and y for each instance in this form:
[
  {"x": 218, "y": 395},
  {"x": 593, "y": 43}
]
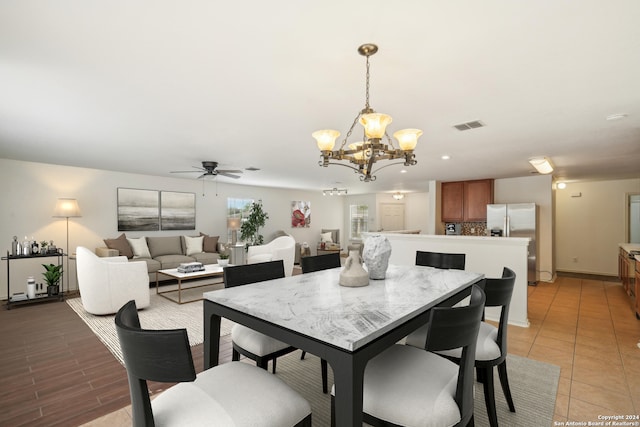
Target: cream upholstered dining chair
[
  {"x": 281, "y": 248},
  {"x": 105, "y": 284},
  {"x": 231, "y": 394},
  {"x": 410, "y": 386}
]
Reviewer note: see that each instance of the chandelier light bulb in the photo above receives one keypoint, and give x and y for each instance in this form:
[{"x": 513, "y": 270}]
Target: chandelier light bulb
[
  {"x": 407, "y": 138},
  {"x": 326, "y": 138},
  {"x": 375, "y": 124}
]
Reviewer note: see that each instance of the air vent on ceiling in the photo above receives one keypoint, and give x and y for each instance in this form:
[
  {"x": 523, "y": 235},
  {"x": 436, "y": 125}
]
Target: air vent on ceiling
[
  {"x": 469, "y": 125},
  {"x": 251, "y": 168}
]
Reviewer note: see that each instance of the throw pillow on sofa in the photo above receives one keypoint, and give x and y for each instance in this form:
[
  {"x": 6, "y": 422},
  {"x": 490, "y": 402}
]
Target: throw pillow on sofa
[
  {"x": 121, "y": 245},
  {"x": 139, "y": 247},
  {"x": 209, "y": 243},
  {"x": 193, "y": 245}
]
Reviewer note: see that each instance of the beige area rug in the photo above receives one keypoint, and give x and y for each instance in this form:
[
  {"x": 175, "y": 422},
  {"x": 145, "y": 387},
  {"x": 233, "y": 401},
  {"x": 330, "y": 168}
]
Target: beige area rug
[
  {"x": 534, "y": 386},
  {"x": 161, "y": 314}
]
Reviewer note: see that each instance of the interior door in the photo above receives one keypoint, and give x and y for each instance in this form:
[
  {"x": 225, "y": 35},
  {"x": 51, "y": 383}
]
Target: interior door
[{"x": 391, "y": 216}]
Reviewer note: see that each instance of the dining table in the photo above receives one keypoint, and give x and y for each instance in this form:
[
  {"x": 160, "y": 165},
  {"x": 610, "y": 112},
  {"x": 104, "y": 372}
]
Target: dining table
[{"x": 346, "y": 326}]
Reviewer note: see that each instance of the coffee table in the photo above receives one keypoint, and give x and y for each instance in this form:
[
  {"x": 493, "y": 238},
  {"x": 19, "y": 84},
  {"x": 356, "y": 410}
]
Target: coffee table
[{"x": 210, "y": 271}]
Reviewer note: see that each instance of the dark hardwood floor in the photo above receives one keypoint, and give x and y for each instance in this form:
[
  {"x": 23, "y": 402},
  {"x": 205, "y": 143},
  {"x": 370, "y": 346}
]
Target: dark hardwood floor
[{"x": 55, "y": 372}]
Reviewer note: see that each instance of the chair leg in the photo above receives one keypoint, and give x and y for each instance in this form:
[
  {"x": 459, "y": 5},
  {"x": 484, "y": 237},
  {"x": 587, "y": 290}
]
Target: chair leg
[
  {"x": 273, "y": 368},
  {"x": 262, "y": 363},
  {"x": 323, "y": 365},
  {"x": 504, "y": 381},
  {"x": 489, "y": 396},
  {"x": 235, "y": 356},
  {"x": 333, "y": 412},
  {"x": 302, "y": 355}
]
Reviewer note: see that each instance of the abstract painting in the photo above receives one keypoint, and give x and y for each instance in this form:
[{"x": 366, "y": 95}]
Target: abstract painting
[
  {"x": 300, "y": 214},
  {"x": 177, "y": 210},
  {"x": 138, "y": 210}
]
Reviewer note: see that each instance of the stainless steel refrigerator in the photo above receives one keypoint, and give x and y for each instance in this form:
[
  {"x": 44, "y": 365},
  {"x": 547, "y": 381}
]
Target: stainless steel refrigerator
[{"x": 516, "y": 220}]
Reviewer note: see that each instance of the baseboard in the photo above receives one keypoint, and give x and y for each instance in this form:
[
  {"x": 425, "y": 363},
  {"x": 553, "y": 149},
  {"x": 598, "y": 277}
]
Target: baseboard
[{"x": 588, "y": 276}]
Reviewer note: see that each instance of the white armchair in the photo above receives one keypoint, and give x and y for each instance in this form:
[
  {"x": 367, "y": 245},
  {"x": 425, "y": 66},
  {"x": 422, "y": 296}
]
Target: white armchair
[
  {"x": 106, "y": 284},
  {"x": 281, "y": 248}
]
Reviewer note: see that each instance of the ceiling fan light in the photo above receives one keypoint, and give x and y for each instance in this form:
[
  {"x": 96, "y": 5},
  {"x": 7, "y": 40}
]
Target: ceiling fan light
[
  {"x": 407, "y": 138},
  {"x": 375, "y": 124},
  {"x": 326, "y": 138},
  {"x": 542, "y": 165}
]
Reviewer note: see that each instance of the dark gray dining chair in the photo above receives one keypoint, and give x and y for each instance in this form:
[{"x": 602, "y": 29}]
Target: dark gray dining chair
[
  {"x": 252, "y": 344},
  {"x": 209, "y": 398},
  {"x": 492, "y": 343},
  {"x": 440, "y": 260},
  {"x": 320, "y": 262},
  {"x": 406, "y": 385}
]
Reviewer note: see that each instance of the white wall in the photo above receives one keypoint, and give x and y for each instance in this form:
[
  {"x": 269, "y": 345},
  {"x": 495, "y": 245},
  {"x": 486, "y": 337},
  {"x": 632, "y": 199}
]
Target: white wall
[
  {"x": 538, "y": 190},
  {"x": 590, "y": 227},
  {"x": 30, "y": 191}
]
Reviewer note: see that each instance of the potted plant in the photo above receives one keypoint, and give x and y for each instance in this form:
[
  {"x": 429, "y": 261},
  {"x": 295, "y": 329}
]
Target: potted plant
[
  {"x": 250, "y": 230},
  {"x": 223, "y": 259},
  {"x": 52, "y": 276}
]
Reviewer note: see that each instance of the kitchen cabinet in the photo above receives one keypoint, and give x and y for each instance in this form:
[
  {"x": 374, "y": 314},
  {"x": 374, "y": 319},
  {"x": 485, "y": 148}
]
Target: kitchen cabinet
[
  {"x": 466, "y": 201},
  {"x": 629, "y": 274},
  {"x": 637, "y": 286}
]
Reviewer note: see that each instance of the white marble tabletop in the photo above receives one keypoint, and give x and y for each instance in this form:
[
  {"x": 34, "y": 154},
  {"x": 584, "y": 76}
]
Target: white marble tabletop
[{"x": 315, "y": 305}]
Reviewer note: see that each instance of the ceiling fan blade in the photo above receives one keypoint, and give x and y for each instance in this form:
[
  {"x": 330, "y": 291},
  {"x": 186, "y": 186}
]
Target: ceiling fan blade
[
  {"x": 228, "y": 171},
  {"x": 228, "y": 175},
  {"x": 183, "y": 171}
]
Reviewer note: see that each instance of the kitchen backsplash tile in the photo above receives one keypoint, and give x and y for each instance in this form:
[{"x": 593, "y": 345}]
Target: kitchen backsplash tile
[{"x": 474, "y": 229}]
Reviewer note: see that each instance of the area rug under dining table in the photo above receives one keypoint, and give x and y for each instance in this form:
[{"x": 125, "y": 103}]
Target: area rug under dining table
[{"x": 533, "y": 384}]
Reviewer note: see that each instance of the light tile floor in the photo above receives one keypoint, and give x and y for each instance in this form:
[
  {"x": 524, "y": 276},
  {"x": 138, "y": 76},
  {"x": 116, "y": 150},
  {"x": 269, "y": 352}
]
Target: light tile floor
[{"x": 586, "y": 327}]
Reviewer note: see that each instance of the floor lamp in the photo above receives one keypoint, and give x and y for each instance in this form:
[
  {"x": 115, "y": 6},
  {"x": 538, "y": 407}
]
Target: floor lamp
[{"x": 67, "y": 208}]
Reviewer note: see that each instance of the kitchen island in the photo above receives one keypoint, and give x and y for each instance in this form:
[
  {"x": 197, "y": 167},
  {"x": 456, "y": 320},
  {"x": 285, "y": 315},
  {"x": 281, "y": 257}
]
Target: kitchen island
[{"x": 485, "y": 255}]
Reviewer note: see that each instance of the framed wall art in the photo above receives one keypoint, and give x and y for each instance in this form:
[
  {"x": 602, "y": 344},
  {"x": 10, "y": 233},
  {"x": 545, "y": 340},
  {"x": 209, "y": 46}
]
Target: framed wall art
[
  {"x": 138, "y": 210},
  {"x": 300, "y": 214},
  {"x": 177, "y": 210}
]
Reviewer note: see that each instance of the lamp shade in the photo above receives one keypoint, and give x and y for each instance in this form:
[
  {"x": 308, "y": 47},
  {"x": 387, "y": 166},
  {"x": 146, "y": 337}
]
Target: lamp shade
[
  {"x": 233, "y": 223},
  {"x": 375, "y": 124},
  {"x": 66, "y": 208},
  {"x": 326, "y": 138},
  {"x": 407, "y": 138}
]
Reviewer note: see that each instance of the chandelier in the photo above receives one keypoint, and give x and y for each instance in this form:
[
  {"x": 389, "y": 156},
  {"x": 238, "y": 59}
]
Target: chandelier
[{"x": 364, "y": 154}]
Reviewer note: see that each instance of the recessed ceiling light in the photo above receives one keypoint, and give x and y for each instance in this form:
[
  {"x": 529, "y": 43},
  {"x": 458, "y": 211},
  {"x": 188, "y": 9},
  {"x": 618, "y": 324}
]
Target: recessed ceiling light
[
  {"x": 445, "y": 157},
  {"x": 403, "y": 171},
  {"x": 562, "y": 185},
  {"x": 618, "y": 116}
]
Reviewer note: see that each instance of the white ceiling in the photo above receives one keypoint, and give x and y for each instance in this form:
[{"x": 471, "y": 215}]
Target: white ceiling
[{"x": 153, "y": 86}]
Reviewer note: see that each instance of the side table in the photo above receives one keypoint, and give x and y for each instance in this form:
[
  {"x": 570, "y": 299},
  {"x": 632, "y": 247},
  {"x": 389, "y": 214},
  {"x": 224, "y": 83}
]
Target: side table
[{"x": 237, "y": 254}]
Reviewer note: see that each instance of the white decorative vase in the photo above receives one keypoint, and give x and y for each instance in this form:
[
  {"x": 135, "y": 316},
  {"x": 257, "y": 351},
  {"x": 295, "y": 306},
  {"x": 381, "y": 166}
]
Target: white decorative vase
[
  {"x": 31, "y": 290},
  {"x": 353, "y": 274},
  {"x": 376, "y": 253},
  {"x": 223, "y": 262}
]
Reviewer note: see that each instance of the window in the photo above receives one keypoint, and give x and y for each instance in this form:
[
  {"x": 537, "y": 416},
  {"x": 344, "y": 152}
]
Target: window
[
  {"x": 359, "y": 220},
  {"x": 238, "y": 208}
]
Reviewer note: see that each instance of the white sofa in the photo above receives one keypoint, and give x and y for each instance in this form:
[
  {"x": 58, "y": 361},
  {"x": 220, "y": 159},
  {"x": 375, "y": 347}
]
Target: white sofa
[
  {"x": 281, "y": 248},
  {"x": 106, "y": 284}
]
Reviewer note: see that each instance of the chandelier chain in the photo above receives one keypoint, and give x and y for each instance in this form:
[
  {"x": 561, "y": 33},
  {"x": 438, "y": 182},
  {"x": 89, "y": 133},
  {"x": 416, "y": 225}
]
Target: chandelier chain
[{"x": 366, "y": 102}]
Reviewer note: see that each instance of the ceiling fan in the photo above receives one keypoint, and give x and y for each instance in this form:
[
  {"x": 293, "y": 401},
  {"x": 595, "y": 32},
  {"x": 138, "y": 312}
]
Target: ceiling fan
[{"x": 209, "y": 169}]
